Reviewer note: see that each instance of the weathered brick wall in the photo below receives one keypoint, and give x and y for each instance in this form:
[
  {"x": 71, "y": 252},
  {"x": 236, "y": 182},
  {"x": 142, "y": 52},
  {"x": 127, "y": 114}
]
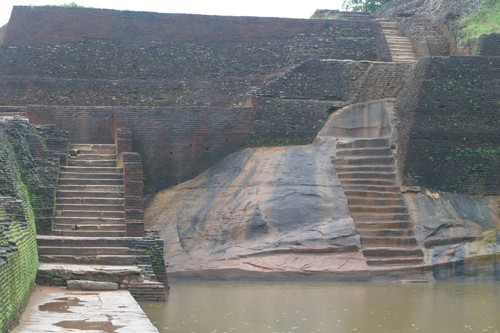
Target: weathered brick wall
[
  {"x": 178, "y": 143},
  {"x": 105, "y": 57},
  {"x": 30, "y": 158},
  {"x": 448, "y": 122},
  {"x": 42, "y": 25},
  {"x": 340, "y": 81}
]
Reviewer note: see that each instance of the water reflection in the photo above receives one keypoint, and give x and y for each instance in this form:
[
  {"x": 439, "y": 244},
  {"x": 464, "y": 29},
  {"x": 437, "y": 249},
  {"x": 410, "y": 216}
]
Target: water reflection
[{"x": 228, "y": 306}]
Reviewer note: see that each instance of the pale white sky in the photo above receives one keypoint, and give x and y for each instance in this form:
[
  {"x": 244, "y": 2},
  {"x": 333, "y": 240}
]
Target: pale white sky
[{"x": 271, "y": 8}]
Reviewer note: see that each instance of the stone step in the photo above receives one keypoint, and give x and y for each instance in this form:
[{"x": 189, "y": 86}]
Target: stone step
[
  {"x": 370, "y": 168},
  {"x": 349, "y": 174},
  {"x": 402, "y": 48},
  {"x": 90, "y": 227},
  {"x": 388, "y": 241},
  {"x": 388, "y": 24},
  {"x": 88, "y": 156},
  {"x": 87, "y": 220},
  {"x": 371, "y": 194},
  {"x": 392, "y": 39},
  {"x": 378, "y": 209},
  {"x": 381, "y": 225},
  {"x": 405, "y": 60},
  {"x": 88, "y": 194},
  {"x": 368, "y": 182},
  {"x": 395, "y": 261},
  {"x": 88, "y": 259},
  {"x": 363, "y": 216},
  {"x": 399, "y": 59},
  {"x": 83, "y": 181},
  {"x": 371, "y": 188},
  {"x": 88, "y": 233},
  {"x": 386, "y": 161},
  {"x": 147, "y": 291},
  {"x": 385, "y": 252},
  {"x": 78, "y": 250},
  {"x": 91, "y": 176},
  {"x": 88, "y": 207},
  {"x": 364, "y": 143},
  {"x": 92, "y": 170},
  {"x": 365, "y": 152},
  {"x": 50, "y": 272},
  {"x": 91, "y": 188},
  {"x": 85, "y": 200},
  {"x": 92, "y": 163},
  {"x": 402, "y": 54},
  {"x": 45, "y": 240},
  {"x": 95, "y": 148},
  {"x": 375, "y": 201},
  {"x": 386, "y": 232},
  {"x": 90, "y": 213}
]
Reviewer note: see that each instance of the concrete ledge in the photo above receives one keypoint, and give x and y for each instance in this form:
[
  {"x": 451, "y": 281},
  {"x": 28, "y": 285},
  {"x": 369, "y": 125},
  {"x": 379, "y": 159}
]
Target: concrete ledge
[{"x": 53, "y": 309}]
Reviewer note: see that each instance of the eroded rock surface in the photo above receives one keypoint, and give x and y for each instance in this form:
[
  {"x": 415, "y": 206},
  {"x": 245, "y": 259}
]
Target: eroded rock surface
[{"x": 256, "y": 203}]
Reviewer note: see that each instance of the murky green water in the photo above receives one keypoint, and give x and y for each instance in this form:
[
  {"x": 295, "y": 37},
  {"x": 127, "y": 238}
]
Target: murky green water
[{"x": 232, "y": 306}]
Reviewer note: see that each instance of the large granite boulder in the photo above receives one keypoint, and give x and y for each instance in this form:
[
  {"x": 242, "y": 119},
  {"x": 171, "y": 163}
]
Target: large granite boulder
[{"x": 265, "y": 209}]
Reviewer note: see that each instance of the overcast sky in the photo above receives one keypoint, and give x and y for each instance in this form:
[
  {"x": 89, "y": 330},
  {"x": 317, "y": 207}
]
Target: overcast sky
[{"x": 273, "y": 8}]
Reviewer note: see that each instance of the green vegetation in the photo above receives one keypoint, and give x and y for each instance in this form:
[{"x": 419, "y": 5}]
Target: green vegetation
[
  {"x": 364, "y": 5},
  {"x": 485, "y": 20},
  {"x": 71, "y": 5}
]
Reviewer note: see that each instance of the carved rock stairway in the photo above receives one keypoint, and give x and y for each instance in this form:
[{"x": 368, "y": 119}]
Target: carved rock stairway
[
  {"x": 399, "y": 45},
  {"x": 89, "y": 227},
  {"x": 366, "y": 170}
]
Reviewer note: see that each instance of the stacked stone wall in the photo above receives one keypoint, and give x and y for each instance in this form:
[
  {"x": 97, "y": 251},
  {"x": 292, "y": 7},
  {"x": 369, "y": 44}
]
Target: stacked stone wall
[
  {"x": 340, "y": 81},
  {"x": 487, "y": 45},
  {"x": 42, "y": 25},
  {"x": 28, "y": 174},
  {"x": 447, "y": 125},
  {"x": 109, "y": 57}
]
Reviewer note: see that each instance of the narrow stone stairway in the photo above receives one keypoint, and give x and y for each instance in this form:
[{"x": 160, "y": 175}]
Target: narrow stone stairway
[
  {"x": 399, "y": 45},
  {"x": 13, "y": 113},
  {"x": 90, "y": 194},
  {"x": 88, "y": 241},
  {"x": 366, "y": 170}
]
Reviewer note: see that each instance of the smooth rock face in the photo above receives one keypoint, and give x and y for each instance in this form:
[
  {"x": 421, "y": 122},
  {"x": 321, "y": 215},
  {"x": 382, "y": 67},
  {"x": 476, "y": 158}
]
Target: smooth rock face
[
  {"x": 258, "y": 202},
  {"x": 91, "y": 285},
  {"x": 446, "y": 218}
]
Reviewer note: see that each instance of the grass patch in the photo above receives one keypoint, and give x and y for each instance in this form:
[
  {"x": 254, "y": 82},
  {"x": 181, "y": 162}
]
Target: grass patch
[{"x": 485, "y": 20}]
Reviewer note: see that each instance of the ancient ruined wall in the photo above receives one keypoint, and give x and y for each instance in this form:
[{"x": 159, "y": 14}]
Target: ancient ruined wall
[
  {"x": 105, "y": 57},
  {"x": 339, "y": 81},
  {"x": 43, "y": 25},
  {"x": 178, "y": 143},
  {"x": 448, "y": 122},
  {"x": 30, "y": 158}
]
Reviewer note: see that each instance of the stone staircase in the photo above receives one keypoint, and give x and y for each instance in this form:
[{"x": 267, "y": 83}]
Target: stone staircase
[
  {"x": 13, "y": 113},
  {"x": 400, "y": 46},
  {"x": 366, "y": 169},
  {"x": 88, "y": 241},
  {"x": 90, "y": 194}
]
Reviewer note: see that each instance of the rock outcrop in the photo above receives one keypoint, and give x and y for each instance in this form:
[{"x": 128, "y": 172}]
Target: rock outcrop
[
  {"x": 267, "y": 209},
  {"x": 282, "y": 212}
]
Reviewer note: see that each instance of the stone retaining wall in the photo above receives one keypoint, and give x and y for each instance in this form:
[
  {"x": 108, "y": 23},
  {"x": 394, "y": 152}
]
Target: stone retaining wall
[
  {"x": 447, "y": 125},
  {"x": 30, "y": 159}
]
